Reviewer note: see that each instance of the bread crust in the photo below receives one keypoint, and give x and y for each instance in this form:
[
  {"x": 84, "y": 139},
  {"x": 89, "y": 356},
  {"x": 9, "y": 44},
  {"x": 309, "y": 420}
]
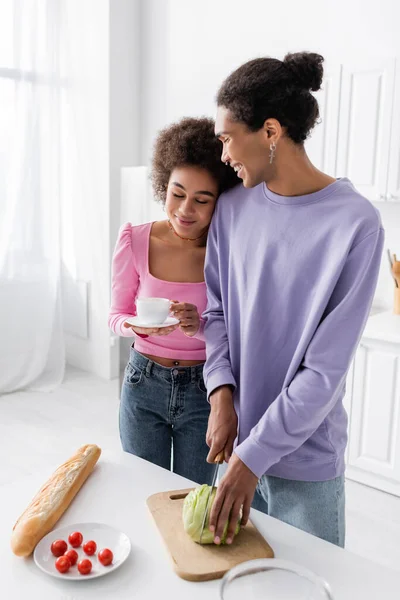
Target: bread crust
[{"x": 53, "y": 499}]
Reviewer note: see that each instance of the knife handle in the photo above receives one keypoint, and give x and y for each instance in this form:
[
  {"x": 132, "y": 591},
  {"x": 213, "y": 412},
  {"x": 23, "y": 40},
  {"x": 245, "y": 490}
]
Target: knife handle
[{"x": 219, "y": 458}]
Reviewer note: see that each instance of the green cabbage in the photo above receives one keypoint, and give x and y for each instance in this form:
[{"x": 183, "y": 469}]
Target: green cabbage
[{"x": 193, "y": 512}]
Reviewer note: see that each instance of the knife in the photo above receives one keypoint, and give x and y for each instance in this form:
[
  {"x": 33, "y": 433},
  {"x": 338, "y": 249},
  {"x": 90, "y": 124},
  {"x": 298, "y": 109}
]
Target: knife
[{"x": 219, "y": 459}]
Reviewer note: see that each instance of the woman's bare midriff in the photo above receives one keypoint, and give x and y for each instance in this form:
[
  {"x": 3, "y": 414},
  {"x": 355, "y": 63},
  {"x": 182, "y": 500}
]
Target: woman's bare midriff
[{"x": 173, "y": 362}]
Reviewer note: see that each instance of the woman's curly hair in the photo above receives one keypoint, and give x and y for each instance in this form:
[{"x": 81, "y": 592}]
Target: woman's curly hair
[
  {"x": 189, "y": 142},
  {"x": 266, "y": 88}
]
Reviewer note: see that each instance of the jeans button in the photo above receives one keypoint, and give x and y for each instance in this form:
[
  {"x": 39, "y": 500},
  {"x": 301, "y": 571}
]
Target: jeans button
[{"x": 175, "y": 372}]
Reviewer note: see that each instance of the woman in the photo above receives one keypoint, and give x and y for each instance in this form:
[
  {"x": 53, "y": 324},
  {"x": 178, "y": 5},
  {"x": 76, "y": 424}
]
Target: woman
[{"x": 163, "y": 403}]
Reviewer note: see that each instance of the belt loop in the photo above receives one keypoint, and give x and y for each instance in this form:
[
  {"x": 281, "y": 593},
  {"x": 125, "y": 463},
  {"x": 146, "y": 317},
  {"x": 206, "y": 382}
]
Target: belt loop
[
  {"x": 193, "y": 374},
  {"x": 149, "y": 367}
]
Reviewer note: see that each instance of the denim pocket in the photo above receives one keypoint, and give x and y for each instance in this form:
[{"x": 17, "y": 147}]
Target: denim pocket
[
  {"x": 201, "y": 385},
  {"x": 133, "y": 375}
]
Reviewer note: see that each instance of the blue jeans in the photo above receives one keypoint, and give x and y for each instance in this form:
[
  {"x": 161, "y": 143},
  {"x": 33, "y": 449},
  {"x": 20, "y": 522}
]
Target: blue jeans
[
  {"x": 317, "y": 507},
  {"x": 163, "y": 416}
]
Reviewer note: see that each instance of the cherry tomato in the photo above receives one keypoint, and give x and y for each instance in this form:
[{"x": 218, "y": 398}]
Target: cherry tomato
[
  {"x": 90, "y": 547},
  {"x": 73, "y": 556},
  {"x": 75, "y": 539},
  {"x": 84, "y": 566},
  {"x": 105, "y": 556},
  {"x": 59, "y": 547},
  {"x": 63, "y": 564}
]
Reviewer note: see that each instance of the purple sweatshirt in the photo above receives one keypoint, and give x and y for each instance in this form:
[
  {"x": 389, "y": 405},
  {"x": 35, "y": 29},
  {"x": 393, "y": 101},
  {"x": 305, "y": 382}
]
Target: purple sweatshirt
[{"x": 290, "y": 284}]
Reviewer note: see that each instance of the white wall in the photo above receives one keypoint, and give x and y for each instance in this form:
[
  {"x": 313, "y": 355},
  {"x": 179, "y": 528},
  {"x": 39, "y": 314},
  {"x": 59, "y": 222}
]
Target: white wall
[
  {"x": 154, "y": 61},
  {"x": 190, "y": 47},
  {"x": 85, "y": 201},
  {"x": 107, "y": 47},
  {"x": 125, "y": 115}
]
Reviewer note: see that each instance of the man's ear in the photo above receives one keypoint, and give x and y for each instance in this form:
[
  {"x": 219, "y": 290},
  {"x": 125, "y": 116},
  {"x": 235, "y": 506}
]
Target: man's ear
[{"x": 273, "y": 129}]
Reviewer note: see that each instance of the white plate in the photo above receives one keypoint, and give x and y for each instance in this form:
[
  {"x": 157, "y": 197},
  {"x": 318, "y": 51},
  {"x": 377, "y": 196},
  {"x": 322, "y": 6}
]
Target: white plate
[
  {"x": 167, "y": 323},
  {"x": 104, "y": 536}
]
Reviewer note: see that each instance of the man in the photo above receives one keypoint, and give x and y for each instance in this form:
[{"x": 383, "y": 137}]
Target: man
[{"x": 293, "y": 257}]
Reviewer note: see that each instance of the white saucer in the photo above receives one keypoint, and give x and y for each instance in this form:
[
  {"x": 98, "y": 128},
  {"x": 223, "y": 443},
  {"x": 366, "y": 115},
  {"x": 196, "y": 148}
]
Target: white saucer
[
  {"x": 105, "y": 536},
  {"x": 136, "y": 322}
]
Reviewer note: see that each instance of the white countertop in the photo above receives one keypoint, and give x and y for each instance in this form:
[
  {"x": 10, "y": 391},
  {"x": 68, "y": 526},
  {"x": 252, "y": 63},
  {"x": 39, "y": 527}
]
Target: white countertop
[
  {"x": 383, "y": 326},
  {"x": 116, "y": 494}
]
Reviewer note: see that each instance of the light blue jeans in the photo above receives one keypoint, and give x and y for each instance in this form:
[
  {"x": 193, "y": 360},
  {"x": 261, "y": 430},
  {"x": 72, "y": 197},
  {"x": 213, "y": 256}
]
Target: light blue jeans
[
  {"x": 163, "y": 416},
  {"x": 317, "y": 507}
]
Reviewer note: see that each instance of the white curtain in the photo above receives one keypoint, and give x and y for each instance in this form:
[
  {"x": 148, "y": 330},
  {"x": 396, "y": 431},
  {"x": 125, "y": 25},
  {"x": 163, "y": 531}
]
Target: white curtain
[{"x": 32, "y": 352}]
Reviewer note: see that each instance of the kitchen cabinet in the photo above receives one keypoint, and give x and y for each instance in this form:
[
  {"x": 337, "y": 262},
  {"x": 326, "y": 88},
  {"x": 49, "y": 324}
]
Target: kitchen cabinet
[
  {"x": 358, "y": 135},
  {"x": 373, "y": 405},
  {"x": 347, "y": 402},
  {"x": 368, "y": 146},
  {"x": 393, "y": 189}
]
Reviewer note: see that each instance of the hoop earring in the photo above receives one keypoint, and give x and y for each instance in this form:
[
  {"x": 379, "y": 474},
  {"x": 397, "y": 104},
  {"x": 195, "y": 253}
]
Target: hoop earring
[{"x": 272, "y": 150}]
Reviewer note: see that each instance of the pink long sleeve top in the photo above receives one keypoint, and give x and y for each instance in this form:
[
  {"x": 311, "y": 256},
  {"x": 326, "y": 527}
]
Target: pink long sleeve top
[{"x": 131, "y": 278}]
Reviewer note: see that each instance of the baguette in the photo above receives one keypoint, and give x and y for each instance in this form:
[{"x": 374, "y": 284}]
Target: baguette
[{"x": 53, "y": 499}]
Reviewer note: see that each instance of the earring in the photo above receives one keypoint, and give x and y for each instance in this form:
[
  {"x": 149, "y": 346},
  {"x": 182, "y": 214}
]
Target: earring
[
  {"x": 227, "y": 163},
  {"x": 272, "y": 150}
]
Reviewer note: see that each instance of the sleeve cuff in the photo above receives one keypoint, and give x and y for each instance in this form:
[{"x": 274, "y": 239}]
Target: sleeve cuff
[
  {"x": 199, "y": 335},
  {"x": 125, "y": 331},
  {"x": 253, "y": 457},
  {"x": 217, "y": 378}
]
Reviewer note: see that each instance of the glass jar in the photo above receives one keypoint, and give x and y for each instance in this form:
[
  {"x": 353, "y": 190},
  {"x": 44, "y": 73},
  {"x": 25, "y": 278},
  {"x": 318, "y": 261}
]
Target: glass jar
[{"x": 273, "y": 579}]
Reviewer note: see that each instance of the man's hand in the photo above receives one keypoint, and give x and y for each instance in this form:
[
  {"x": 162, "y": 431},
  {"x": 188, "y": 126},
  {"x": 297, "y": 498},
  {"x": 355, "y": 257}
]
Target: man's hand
[
  {"x": 222, "y": 423},
  {"x": 235, "y": 490}
]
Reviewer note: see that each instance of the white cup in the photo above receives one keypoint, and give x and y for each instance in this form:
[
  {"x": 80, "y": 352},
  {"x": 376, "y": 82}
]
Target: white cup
[{"x": 153, "y": 310}]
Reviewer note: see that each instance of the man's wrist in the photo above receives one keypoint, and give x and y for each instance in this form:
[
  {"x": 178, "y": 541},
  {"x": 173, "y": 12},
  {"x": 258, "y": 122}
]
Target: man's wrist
[
  {"x": 222, "y": 393},
  {"x": 237, "y": 463}
]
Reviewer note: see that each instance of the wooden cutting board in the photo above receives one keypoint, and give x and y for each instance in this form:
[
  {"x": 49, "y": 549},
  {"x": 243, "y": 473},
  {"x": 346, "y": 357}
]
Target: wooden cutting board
[{"x": 192, "y": 561}]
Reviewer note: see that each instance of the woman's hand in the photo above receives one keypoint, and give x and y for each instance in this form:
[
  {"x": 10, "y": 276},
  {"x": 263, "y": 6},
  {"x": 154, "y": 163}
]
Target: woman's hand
[
  {"x": 152, "y": 330},
  {"x": 189, "y": 318}
]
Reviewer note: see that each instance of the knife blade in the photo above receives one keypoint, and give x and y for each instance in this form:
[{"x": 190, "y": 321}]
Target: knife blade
[{"x": 219, "y": 459}]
